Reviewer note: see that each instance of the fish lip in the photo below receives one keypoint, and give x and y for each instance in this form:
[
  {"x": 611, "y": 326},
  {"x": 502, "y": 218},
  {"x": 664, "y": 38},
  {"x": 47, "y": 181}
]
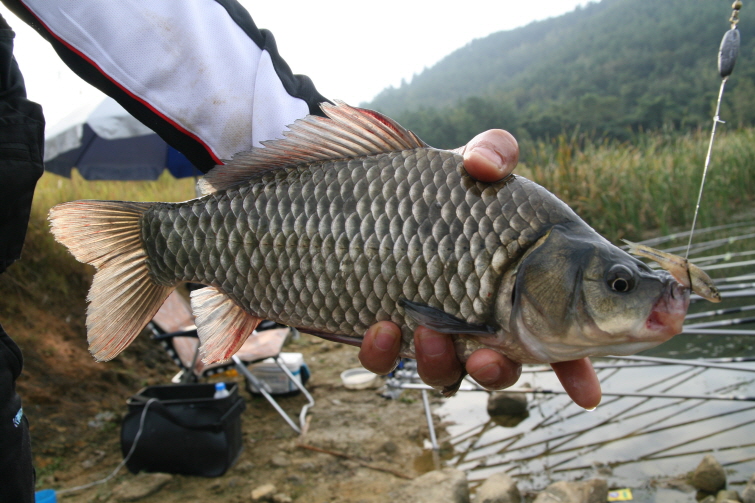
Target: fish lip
[{"x": 667, "y": 315}]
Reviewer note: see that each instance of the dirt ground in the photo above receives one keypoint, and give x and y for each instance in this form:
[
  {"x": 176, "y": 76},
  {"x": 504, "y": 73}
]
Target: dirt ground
[{"x": 75, "y": 406}]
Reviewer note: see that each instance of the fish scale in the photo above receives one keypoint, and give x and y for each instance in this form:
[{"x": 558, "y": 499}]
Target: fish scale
[{"x": 333, "y": 246}]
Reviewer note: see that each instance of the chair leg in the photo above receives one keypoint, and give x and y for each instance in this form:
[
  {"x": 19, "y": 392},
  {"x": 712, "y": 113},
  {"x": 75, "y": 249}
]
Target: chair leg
[
  {"x": 311, "y": 401},
  {"x": 190, "y": 370},
  {"x": 429, "y": 417},
  {"x": 264, "y": 389}
]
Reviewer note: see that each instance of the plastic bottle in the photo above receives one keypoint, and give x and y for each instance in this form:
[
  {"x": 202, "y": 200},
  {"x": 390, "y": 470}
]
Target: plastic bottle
[{"x": 220, "y": 390}]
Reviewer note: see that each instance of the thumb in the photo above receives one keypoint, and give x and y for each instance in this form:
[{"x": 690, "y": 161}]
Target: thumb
[{"x": 490, "y": 156}]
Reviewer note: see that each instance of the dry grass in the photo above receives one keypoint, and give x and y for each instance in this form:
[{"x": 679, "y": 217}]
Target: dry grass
[
  {"x": 47, "y": 272},
  {"x": 54, "y": 189}
]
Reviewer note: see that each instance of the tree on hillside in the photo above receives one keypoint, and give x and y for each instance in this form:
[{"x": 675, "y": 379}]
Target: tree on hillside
[{"x": 610, "y": 69}]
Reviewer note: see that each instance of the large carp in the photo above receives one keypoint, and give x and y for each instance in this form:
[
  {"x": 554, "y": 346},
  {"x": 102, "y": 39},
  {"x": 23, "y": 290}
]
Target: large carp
[{"x": 352, "y": 219}]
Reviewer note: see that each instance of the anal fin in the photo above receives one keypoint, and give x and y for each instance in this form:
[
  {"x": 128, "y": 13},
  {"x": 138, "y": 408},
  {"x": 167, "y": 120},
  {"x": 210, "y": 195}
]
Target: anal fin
[{"x": 222, "y": 325}]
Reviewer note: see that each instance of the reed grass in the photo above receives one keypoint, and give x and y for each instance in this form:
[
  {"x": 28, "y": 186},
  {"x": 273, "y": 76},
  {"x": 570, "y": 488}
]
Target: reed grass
[{"x": 648, "y": 187}]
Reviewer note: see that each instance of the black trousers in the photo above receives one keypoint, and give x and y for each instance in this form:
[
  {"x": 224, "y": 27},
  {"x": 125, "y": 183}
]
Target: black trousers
[
  {"x": 16, "y": 470},
  {"x": 21, "y": 147}
]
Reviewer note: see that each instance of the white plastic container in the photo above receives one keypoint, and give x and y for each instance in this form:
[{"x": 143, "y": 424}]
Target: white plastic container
[
  {"x": 269, "y": 372},
  {"x": 358, "y": 378}
]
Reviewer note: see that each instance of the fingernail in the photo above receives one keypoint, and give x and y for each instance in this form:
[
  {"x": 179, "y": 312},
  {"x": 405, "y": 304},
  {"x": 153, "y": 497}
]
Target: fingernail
[
  {"x": 384, "y": 339},
  {"x": 432, "y": 344},
  {"x": 488, "y": 374},
  {"x": 491, "y": 156}
]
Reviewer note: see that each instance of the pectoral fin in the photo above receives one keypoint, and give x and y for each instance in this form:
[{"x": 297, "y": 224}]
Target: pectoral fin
[
  {"x": 222, "y": 325},
  {"x": 442, "y": 322}
]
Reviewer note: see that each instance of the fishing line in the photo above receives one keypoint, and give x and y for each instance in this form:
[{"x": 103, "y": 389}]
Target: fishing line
[
  {"x": 122, "y": 463},
  {"x": 727, "y": 56},
  {"x": 716, "y": 121}
]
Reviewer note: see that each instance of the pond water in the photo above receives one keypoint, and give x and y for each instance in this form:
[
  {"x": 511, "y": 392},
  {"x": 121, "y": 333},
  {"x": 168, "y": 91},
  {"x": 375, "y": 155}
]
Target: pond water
[
  {"x": 638, "y": 442},
  {"x": 634, "y": 442}
]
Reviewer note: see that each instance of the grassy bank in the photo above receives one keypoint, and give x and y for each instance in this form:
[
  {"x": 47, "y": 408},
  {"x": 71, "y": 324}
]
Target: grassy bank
[
  {"x": 651, "y": 185},
  {"x": 53, "y": 189},
  {"x": 46, "y": 268}
]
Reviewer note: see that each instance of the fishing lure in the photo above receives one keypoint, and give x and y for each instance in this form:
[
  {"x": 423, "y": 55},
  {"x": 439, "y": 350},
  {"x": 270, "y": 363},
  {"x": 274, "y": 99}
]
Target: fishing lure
[{"x": 685, "y": 272}]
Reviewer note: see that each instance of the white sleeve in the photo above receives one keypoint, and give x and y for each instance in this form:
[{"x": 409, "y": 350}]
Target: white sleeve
[{"x": 198, "y": 72}]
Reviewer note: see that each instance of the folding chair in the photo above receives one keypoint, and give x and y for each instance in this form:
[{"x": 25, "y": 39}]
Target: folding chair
[{"x": 173, "y": 326}]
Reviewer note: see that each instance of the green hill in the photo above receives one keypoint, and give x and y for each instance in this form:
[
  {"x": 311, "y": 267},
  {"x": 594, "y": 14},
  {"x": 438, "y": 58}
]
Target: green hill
[{"x": 610, "y": 69}]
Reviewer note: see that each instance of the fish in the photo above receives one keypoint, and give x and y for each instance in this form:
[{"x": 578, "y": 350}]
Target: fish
[
  {"x": 351, "y": 219},
  {"x": 684, "y": 271}
]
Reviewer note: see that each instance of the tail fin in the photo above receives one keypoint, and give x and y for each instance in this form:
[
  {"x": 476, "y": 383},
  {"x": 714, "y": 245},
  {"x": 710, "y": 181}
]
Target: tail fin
[{"x": 123, "y": 297}]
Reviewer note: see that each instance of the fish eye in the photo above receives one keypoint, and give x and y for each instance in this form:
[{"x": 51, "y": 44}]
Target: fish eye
[{"x": 620, "y": 279}]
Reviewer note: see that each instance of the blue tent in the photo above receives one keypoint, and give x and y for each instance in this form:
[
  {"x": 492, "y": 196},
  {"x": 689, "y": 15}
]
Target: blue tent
[{"x": 105, "y": 142}]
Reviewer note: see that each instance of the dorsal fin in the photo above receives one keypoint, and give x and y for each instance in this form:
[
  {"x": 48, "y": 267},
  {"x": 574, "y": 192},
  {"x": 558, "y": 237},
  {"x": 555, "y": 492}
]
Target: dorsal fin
[{"x": 348, "y": 132}]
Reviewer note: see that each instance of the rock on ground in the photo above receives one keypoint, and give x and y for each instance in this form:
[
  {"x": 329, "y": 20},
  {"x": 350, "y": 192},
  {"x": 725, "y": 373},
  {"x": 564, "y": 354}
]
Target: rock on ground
[
  {"x": 439, "y": 486},
  {"x": 141, "y": 486},
  {"x": 263, "y": 493},
  {"x": 280, "y": 461},
  {"x": 498, "y": 488},
  {"x": 709, "y": 475},
  {"x": 748, "y": 495},
  {"x": 727, "y": 496},
  {"x": 589, "y": 491},
  {"x": 510, "y": 404}
]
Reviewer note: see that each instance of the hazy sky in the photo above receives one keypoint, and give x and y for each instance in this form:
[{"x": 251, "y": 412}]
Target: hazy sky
[{"x": 352, "y": 50}]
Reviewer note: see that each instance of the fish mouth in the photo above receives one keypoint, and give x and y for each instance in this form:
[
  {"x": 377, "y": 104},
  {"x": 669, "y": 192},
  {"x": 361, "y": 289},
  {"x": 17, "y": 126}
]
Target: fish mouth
[{"x": 667, "y": 316}]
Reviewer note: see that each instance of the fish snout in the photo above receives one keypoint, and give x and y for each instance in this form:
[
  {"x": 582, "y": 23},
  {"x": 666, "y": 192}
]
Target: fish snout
[
  {"x": 667, "y": 316},
  {"x": 677, "y": 290}
]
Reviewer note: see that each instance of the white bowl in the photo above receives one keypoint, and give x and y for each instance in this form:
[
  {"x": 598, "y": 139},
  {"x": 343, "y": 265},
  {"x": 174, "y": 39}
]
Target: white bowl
[{"x": 358, "y": 378}]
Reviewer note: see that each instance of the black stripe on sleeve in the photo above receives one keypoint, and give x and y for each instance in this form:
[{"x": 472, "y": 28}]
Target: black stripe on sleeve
[{"x": 298, "y": 86}]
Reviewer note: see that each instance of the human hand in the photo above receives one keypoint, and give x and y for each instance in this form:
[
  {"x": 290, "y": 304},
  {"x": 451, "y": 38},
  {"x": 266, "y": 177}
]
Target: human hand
[
  {"x": 488, "y": 157},
  {"x": 439, "y": 366}
]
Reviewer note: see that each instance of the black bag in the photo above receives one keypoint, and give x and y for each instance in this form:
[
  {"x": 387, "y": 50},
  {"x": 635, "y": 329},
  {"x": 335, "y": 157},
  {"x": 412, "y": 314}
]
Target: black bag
[{"x": 185, "y": 431}]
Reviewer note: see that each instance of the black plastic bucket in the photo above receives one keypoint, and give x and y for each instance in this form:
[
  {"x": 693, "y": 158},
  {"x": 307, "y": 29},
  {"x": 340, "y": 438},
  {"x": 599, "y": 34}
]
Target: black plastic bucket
[{"x": 186, "y": 431}]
